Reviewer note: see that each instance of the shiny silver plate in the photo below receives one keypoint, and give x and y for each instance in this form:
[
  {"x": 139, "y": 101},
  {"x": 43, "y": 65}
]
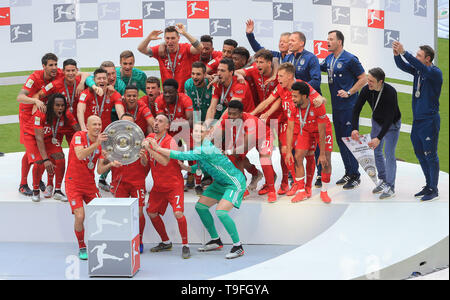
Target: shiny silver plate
[{"x": 124, "y": 141}]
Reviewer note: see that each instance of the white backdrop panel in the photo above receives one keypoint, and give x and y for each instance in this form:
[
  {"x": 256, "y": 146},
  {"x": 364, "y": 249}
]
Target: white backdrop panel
[{"x": 92, "y": 31}]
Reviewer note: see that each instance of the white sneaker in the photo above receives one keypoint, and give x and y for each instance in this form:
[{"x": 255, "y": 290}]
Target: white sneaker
[
  {"x": 58, "y": 195},
  {"x": 254, "y": 183},
  {"x": 235, "y": 252},
  {"x": 36, "y": 197},
  {"x": 388, "y": 193},
  {"x": 48, "y": 191}
]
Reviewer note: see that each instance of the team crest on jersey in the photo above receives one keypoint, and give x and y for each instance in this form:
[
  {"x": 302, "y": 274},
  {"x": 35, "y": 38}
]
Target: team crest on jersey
[
  {"x": 312, "y": 114},
  {"x": 302, "y": 62},
  {"x": 78, "y": 140},
  {"x": 29, "y": 83},
  {"x": 339, "y": 65}
]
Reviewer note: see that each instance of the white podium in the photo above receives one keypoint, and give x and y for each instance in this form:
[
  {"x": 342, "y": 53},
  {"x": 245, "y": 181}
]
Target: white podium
[{"x": 112, "y": 227}]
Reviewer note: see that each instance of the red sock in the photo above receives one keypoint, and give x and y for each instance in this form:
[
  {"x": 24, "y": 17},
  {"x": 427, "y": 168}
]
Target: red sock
[
  {"x": 310, "y": 169},
  {"x": 25, "y": 169},
  {"x": 38, "y": 170},
  {"x": 50, "y": 177},
  {"x": 253, "y": 170},
  {"x": 80, "y": 238},
  {"x": 160, "y": 228},
  {"x": 326, "y": 177},
  {"x": 182, "y": 226},
  {"x": 269, "y": 175},
  {"x": 141, "y": 227},
  {"x": 60, "y": 169},
  {"x": 198, "y": 179},
  {"x": 284, "y": 169}
]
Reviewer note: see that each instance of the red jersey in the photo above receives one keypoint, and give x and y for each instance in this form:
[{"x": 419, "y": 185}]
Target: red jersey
[
  {"x": 77, "y": 170},
  {"x": 176, "y": 110},
  {"x": 141, "y": 114},
  {"x": 166, "y": 177},
  {"x": 237, "y": 90},
  {"x": 35, "y": 82},
  {"x": 215, "y": 55},
  {"x": 316, "y": 115},
  {"x": 102, "y": 108},
  {"x": 214, "y": 64},
  {"x": 250, "y": 125},
  {"x": 287, "y": 104},
  {"x": 263, "y": 90},
  {"x": 39, "y": 120},
  {"x": 182, "y": 61},
  {"x": 58, "y": 86},
  {"x": 145, "y": 99},
  {"x": 134, "y": 173}
]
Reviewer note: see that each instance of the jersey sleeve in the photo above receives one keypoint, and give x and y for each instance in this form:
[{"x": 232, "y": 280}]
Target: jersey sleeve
[
  {"x": 239, "y": 91},
  {"x": 159, "y": 105},
  {"x": 191, "y": 155},
  {"x": 155, "y": 52},
  {"x": 38, "y": 120},
  {"x": 276, "y": 92},
  {"x": 116, "y": 98},
  {"x": 146, "y": 112},
  {"x": 84, "y": 96},
  {"x": 30, "y": 85},
  {"x": 356, "y": 67},
  {"x": 48, "y": 89},
  {"x": 321, "y": 114}
]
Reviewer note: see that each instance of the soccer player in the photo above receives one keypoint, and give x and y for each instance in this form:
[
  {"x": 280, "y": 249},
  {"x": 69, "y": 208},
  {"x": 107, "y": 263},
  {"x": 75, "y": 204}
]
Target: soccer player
[
  {"x": 92, "y": 104},
  {"x": 227, "y": 51},
  {"x": 178, "y": 57},
  {"x": 129, "y": 180},
  {"x": 346, "y": 77},
  {"x": 70, "y": 86},
  {"x": 425, "y": 106},
  {"x": 314, "y": 128},
  {"x": 227, "y": 89},
  {"x": 152, "y": 91},
  {"x": 197, "y": 89},
  {"x": 43, "y": 144},
  {"x": 167, "y": 187},
  {"x": 226, "y": 191},
  {"x": 208, "y": 53},
  {"x": 128, "y": 73},
  {"x": 34, "y": 83},
  {"x": 283, "y": 44},
  {"x": 142, "y": 115},
  {"x": 247, "y": 132},
  {"x": 113, "y": 79},
  {"x": 84, "y": 152},
  {"x": 281, "y": 96}
]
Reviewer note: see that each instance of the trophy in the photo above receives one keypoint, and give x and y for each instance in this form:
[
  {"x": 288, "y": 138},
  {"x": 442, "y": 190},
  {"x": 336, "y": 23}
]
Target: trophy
[{"x": 124, "y": 141}]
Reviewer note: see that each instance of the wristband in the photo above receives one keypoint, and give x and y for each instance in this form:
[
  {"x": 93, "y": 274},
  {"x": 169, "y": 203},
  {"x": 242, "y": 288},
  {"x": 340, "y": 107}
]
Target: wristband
[{"x": 43, "y": 161}]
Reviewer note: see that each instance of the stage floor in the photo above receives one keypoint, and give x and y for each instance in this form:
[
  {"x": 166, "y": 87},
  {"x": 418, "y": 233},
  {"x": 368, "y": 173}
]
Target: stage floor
[{"x": 393, "y": 230}]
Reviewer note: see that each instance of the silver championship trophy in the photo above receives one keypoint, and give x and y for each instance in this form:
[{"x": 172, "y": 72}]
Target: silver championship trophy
[{"x": 124, "y": 141}]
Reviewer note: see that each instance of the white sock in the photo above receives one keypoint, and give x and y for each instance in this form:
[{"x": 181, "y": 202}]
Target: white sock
[
  {"x": 237, "y": 244},
  {"x": 187, "y": 245},
  {"x": 298, "y": 179},
  {"x": 166, "y": 242},
  {"x": 324, "y": 186}
]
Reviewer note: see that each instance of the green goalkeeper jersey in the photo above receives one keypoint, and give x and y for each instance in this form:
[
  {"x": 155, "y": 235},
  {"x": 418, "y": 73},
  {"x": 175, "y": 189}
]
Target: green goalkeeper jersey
[{"x": 212, "y": 161}]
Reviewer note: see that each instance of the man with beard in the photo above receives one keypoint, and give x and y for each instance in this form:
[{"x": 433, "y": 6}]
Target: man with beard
[
  {"x": 142, "y": 115},
  {"x": 152, "y": 91}
]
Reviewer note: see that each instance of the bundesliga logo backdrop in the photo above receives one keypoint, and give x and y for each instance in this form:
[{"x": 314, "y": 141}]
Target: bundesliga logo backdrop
[{"x": 94, "y": 19}]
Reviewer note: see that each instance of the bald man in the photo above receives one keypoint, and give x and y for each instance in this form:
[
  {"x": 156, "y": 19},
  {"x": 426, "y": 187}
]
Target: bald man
[{"x": 85, "y": 150}]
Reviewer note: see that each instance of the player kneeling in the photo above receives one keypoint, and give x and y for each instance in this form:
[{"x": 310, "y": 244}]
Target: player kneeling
[
  {"x": 226, "y": 190},
  {"x": 314, "y": 127}
]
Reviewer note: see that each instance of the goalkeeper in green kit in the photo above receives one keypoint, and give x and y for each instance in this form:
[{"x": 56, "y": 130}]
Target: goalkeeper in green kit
[{"x": 226, "y": 191}]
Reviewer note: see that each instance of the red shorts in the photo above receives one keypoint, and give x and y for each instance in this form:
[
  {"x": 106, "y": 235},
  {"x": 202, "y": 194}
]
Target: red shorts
[
  {"x": 308, "y": 141},
  {"x": 158, "y": 201},
  {"x": 77, "y": 195},
  {"x": 127, "y": 189},
  {"x": 282, "y": 135},
  {"x": 32, "y": 149}
]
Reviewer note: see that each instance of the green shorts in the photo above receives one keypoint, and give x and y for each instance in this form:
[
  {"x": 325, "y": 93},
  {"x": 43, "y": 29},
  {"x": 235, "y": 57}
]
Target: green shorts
[{"x": 227, "y": 192}]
